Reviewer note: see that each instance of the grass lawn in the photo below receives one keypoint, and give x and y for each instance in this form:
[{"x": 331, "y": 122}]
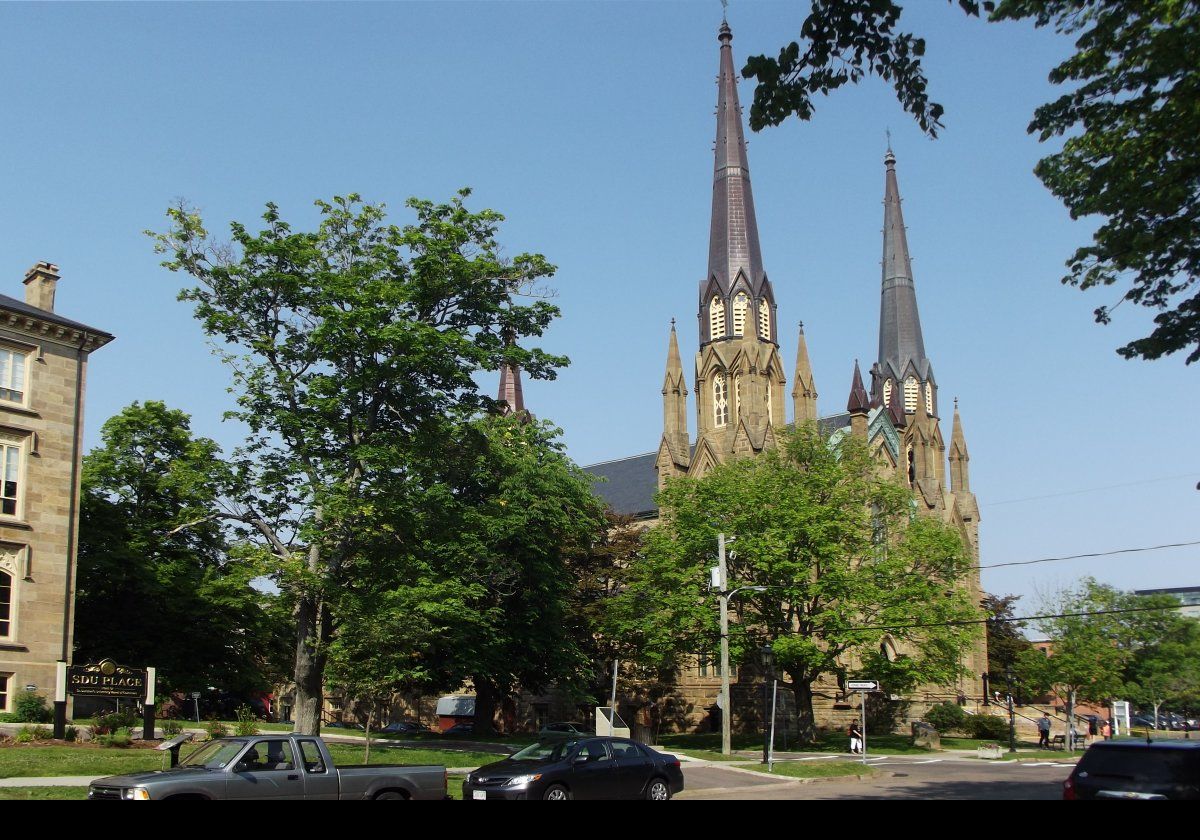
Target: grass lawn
[
  {"x": 43, "y": 793},
  {"x": 812, "y": 769},
  {"x": 353, "y": 754},
  {"x": 827, "y": 742}
]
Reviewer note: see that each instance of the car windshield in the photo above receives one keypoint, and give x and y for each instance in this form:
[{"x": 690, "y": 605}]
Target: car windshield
[
  {"x": 214, "y": 755},
  {"x": 1149, "y": 764},
  {"x": 550, "y": 750}
]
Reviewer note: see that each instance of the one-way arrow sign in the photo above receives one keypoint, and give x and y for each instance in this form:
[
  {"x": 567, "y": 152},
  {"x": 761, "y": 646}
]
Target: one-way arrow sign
[{"x": 862, "y": 685}]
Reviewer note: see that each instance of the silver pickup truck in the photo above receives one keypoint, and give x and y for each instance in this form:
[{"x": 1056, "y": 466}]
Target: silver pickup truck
[{"x": 273, "y": 767}]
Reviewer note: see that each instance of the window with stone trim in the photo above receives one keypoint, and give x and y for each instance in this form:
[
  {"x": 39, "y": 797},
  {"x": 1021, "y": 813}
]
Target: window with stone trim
[
  {"x": 6, "y": 605},
  {"x": 5, "y": 679},
  {"x": 720, "y": 400},
  {"x": 11, "y": 477},
  {"x": 737, "y": 397},
  {"x": 716, "y": 319},
  {"x": 741, "y": 307},
  {"x": 14, "y": 364},
  {"x": 912, "y": 390},
  {"x": 929, "y": 398},
  {"x": 764, "y": 320},
  {"x": 887, "y": 392}
]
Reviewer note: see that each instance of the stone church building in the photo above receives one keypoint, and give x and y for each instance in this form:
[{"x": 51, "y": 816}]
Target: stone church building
[{"x": 740, "y": 389}]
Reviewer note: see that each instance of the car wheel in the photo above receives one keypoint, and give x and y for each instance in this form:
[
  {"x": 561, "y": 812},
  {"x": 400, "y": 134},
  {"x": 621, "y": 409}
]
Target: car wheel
[
  {"x": 391, "y": 794},
  {"x": 658, "y": 789},
  {"x": 556, "y": 792}
]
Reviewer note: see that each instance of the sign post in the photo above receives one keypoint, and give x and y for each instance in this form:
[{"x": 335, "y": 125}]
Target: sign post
[
  {"x": 863, "y": 687},
  {"x": 148, "y": 707},
  {"x": 60, "y": 699}
]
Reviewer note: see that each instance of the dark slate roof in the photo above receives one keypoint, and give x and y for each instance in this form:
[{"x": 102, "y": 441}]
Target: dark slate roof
[
  {"x": 632, "y": 482},
  {"x": 24, "y": 308}
]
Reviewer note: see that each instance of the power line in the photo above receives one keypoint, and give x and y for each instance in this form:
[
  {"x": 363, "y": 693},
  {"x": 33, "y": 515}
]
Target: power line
[
  {"x": 969, "y": 621},
  {"x": 1090, "y": 490},
  {"x": 1092, "y": 554}
]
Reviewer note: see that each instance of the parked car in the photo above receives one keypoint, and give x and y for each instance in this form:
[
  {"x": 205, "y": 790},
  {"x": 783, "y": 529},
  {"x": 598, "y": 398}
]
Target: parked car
[
  {"x": 274, "y": 767},
  {"x": 405, "y": 727},
  {"x": 566, "y": 729},
  {"x": 344, "y": 724},
  {"x": 1136, "y": 770},
  {"x": 578, "y": 768},
  {"x": 460, "y": 729}
]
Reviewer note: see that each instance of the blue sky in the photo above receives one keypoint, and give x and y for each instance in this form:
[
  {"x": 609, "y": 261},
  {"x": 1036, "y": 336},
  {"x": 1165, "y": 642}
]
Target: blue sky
[{"x": 590, "y": 125}]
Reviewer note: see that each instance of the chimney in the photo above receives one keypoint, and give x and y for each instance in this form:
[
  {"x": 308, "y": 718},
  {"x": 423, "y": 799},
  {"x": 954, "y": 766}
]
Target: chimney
[{"x": 40, "y": 282}]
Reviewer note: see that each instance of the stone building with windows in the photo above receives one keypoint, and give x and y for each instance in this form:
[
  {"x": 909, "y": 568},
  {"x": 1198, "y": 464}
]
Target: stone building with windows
[
  {"x": 43, "y": 367},
  {"x": 740, "y": 386}
]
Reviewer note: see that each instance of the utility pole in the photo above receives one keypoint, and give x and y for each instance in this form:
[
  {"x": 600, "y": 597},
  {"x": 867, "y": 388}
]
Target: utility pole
[{"x": 726, "y": 746}]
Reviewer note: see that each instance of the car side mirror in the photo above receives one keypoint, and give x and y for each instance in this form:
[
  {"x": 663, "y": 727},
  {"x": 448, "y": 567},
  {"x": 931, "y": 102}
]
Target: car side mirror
[{"x": 241, "y": 767}]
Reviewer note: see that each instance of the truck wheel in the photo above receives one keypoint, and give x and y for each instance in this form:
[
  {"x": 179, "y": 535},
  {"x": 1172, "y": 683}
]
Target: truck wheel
[
  {"x": 658, "y": 789},
  {"x": 556, "y": 792},
  {"x": 391, "y": 794}
]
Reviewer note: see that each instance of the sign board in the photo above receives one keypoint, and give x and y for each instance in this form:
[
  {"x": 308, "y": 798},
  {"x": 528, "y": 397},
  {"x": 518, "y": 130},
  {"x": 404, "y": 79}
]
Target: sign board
[
  {"x": 195, "y": 695},
  {"x": 106, "y": 679},
  {"x": 862, "y": 685},
  {"x": 31, "y": 686}
]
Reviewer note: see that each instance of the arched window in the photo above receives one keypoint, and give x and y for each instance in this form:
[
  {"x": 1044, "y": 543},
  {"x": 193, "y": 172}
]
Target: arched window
[
  {"x": 737, "y": 397},
  {"x": 912, "y": 467},
  {"x": 720, "y": 400},
  {"x": 912, "y": 390},
  {"x": 764, "y": 320},
  {"x": 6, "y": 599},
  {"x": 770, "y": 400},
  {"x": 741, "y": 304},
  {"x": 716, "y": 319},
  {"x": 887, "y": 392},
  {"x": 929, "y": 398}
]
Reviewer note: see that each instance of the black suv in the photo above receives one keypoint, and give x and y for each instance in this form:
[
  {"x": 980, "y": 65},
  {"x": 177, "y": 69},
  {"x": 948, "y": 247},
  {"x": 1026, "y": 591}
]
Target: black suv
[{"x": 1136, "y": 770}]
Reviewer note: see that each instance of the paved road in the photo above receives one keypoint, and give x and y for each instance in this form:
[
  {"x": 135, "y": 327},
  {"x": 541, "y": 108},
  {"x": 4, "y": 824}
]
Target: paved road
[{"x": 899, "y": 778}]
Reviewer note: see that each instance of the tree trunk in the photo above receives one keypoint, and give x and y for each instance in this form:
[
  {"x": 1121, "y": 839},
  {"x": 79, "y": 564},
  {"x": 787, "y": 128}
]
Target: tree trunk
[
  {"x": 486, "y": 698},
  {"x": 370, "y": 717},
  {"x": 312, "y": 627},
  {"x": 1156, "y": 708},
  {"x": 1071, "y": 719},
  {"x": 806, "y": 721}
]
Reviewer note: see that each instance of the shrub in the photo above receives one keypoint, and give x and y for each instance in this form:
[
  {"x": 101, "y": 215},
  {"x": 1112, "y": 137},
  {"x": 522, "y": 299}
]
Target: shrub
[
  {"x": 246, "y": 722},
  {"x": 8, "y": 717},
  {"x": 121, "y": 739},
  {"x": 71, "y": 733},
  {"x": 28, "y": 734},
  {"x": 216, "y": 729},
  {"x": 988, "y": 728},
  {"x": 114, "y": 721},
  {"x": 947, "y": 717},
  {"x": 31, "y": 708},
  {"x": 171, "y": 728}
]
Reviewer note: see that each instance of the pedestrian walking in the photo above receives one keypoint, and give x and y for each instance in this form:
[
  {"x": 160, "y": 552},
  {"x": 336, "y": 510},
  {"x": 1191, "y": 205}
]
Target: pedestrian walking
[
  {"x": 1043, "y": 726},
  {"x": 1106, "y": 730},
  {"x": 856, "y": 744}
]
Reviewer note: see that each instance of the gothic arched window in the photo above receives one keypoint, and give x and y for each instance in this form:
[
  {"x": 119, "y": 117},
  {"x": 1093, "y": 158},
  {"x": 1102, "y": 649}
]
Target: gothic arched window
[
  {"x": 720, "y": 400},
  {"x": 887, "y": 392},
  {"x": 770, "y": 400},
  {"x": 716, "y": 319},
  {"x": 912, "y": 390},
  {"x": 737, "y": 397},
  {"x": 764, "y": 320},
  {"x": 741, "y": 305}
]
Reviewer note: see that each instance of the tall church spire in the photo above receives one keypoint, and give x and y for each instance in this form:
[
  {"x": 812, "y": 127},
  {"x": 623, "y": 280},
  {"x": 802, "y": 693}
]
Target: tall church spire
[
  {"x": 804, "y": 391},
  {"x": 902, "y": 360},
  {"x": 510, "y": 386},
  {"x": 734, "y": 256}
]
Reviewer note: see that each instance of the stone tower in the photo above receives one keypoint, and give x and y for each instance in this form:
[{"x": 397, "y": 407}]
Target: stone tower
[{"x": 739, "y": 374}]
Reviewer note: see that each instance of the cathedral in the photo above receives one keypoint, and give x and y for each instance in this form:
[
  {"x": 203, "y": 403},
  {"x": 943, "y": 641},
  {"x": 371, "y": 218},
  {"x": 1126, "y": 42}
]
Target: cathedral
[{"x": 740, "y": 380}]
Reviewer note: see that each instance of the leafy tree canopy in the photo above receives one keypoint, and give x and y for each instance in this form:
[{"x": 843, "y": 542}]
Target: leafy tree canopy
[
  {"x": 1128, "y": 120},
  {"x": 850, "y": 572}
]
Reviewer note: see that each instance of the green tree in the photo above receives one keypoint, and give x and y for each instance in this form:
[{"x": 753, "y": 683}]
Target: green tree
[
  {"x": 1167, "y": 672},
  {"x": 1096, "y": 631},
  {"x": 1129, "y": 121},
  {"x": 151, "y": 592},
  {"x": 852, "y": 574},
  {"x": 1005, "y": 641},
  {"x": 352, "y": 349}
]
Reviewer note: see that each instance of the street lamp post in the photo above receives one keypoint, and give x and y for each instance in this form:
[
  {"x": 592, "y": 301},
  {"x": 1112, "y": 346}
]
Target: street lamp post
[
  {"x": 725, "y": 596},
  {"x": 1012, "y": 716},
  {"x": 768, "y": 668}
]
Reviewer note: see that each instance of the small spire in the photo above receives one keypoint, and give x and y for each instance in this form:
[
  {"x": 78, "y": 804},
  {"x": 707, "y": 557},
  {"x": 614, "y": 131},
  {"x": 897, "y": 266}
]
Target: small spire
[
  {"x": 859, "y": 402},
  {"x": 510, "y": 383}
]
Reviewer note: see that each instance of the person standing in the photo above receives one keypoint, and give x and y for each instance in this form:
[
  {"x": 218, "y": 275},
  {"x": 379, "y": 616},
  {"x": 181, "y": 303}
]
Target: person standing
[
  {"x": 856, "y": 744},
  {"x": 1043, "y": 726}
]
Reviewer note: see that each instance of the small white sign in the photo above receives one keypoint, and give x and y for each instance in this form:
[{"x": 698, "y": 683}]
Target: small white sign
[{"x": 863, "y": 685}]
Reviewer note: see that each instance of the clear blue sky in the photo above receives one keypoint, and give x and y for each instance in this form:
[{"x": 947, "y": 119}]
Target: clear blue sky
[{"x": 590, "y": 126}]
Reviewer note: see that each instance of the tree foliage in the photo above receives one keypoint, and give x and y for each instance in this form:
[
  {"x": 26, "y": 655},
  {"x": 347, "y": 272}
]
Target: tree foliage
[
  {"x": 352, "y": 348},
  {"x": 153, "y": 592},
  {"x": 1128, "y": 123},
  {"x": 1005, "y": 641},
  {"x": 850, "y": 572}
]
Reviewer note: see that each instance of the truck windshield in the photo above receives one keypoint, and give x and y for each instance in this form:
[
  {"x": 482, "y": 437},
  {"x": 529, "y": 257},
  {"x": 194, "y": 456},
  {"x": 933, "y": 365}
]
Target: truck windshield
[{"x": 214, "y": 755}]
